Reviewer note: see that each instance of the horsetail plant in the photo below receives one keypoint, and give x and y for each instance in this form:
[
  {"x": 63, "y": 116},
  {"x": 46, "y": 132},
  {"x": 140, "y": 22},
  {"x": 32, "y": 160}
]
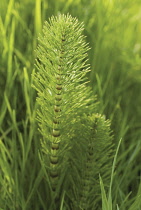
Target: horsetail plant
[{"x": 76, "y": 142}]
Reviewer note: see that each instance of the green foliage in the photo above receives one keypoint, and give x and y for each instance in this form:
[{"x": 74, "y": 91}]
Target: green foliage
[
  {"x": 112, "y": 29},
  {"x": 98, "y": 139},
  {"x": 65, "y": 116}
]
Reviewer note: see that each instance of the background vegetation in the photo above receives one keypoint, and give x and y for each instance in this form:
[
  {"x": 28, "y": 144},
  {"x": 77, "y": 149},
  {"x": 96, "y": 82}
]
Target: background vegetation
[{"x": 113, "y": 30}]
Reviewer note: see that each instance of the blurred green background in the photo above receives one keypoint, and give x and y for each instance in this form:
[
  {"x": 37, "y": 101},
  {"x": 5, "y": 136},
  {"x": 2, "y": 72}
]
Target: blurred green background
[{"x": 112, "y": 29}]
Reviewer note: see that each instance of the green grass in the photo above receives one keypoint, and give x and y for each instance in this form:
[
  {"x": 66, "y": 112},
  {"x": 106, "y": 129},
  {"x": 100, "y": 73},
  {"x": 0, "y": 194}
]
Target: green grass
[{"x": 113, "y": 31}]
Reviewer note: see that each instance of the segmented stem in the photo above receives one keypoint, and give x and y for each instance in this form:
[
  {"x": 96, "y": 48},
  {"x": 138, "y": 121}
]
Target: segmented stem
[
  {"x": 56, "y": 133},
  {"x": 87, "y": 177}
]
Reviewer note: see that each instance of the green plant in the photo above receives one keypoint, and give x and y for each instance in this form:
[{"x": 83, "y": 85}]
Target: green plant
[
  {"x": 76, "y": 144},
  {"x": 115, "y": 59}
]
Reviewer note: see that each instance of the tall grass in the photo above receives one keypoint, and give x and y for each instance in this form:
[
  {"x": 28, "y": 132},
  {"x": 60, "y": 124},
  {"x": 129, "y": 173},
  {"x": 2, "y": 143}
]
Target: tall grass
[{"x": 113, "y": 31}]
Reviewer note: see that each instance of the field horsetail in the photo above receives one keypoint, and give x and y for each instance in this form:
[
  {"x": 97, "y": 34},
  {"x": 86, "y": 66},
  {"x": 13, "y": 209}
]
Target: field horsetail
[{"x": 73, "y": 135}]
